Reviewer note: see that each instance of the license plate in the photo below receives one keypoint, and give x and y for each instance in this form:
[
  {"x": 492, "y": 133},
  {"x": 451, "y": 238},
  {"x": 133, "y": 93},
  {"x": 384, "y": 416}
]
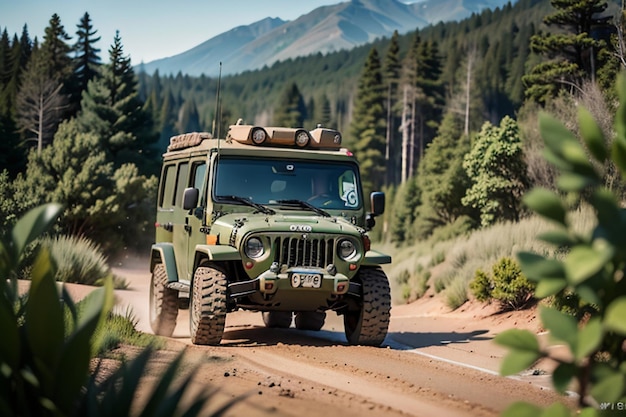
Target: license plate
[{"x": 300, "y": 280}]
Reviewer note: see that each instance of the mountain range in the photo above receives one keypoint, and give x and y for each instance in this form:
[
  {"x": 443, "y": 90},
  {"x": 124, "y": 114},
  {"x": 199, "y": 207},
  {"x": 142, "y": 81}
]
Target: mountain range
[{"x": 324, "y": 30}]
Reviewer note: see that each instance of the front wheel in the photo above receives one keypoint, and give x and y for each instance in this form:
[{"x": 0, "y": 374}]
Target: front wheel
[
  {"x": 163, "y": 303},
  {"x": 368, "y": 325},
  {"x": 207, "y": 310}
]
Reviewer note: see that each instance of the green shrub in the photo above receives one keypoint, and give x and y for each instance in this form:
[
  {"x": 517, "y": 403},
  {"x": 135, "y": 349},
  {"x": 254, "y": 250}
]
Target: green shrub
[
  {"x": 456, "y": 293},
  {"x": 403, "y": 277},
  {"x": 592, "y": 269},
  {"x": 437, "y": 258},
  {"x": 47, "y": 345},
  {"x": 481, "y": 286},
  {"x": 421, "y": 284},
  {"x": 78, "y": 260},
  {"x": 506, "y": 284}
]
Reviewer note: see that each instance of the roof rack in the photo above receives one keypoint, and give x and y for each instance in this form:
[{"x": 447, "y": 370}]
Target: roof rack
[{"x": 187, "y": 140}]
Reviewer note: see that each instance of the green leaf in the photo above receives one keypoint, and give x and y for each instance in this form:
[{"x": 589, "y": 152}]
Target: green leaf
[
  {"x": 565, "y": 147},
  {"x": 74, "y": 361},
  {"x": 615, "y": 314},
  {"x": 592, "y": 135},
  {"x": 618, "y": 154},
  {"x": 518, "y": 360},
  {"x": 34, "y": 223},
  {"x": 583, "y": 262},
  {"x": 561, "y": 326},
  {"x": 556, "y": 410},
  {"x": 44, "y": 314},
  {"x": 549, "y": 286},
  {"x": 521, "y": 409},
  {"x": 554, "y": 133},
  {"x": 547, "y": 204},
  {"x": 537, "y": 267},
  {"x": 606, "y": 204},
  {"x": 573, "y": 182},
  {"x": 562, "y": 376},
  {"x": 588, "y": 294},
  {"x": 588, "y": 412},
  {"x": 10, "y": 347},
  {"x": 589, "y": 338},
  {"x": 609, "y": 388},
  {"x": 620, "y": 116},
  {"x": 560, "y": 237},
  {"x": 518, "y": 339}
]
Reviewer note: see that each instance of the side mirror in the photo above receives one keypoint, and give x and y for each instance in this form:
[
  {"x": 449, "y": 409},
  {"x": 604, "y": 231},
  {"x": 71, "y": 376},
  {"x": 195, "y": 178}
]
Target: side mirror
[
  {"x": 190, "y": 198},
  {"x": 377, "y": 202}
]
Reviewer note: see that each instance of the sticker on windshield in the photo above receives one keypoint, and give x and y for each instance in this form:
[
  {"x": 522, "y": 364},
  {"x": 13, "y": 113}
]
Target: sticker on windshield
[{"x": 349, "y": 197}]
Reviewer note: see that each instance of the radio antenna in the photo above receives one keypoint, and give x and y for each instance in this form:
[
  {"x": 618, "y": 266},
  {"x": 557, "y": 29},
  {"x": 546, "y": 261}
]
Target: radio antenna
[{"x": 218, "y": 110}]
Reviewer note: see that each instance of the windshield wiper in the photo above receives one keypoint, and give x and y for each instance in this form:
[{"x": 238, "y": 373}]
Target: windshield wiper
[
  {"x": 304, "y": 204},
  {"x": 248, "y": 202}
]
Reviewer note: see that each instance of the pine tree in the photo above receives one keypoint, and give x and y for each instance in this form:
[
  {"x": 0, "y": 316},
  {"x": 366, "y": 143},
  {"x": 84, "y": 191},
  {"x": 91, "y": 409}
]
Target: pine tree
[
  {"x": 392, "y": 68},
  {"x": 323, "y": 112},
  {"x": 441, "y": 177},
  {"x": 87, "y": 60},
  {"x": 368, "y": 124},
  {"x": 497, "y": 169},
  {"x": 290, "y": 111},
  {"x": 189, "y": 120},
  {"x": 572, "y": 54},
  {"x": 111, "y": 108},
  {"x": 57, "y": 50}
]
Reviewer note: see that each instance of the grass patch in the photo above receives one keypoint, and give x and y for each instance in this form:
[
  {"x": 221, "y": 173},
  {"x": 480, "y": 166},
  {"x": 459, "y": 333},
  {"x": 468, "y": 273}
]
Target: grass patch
[
  {"x": 462, "y": 255},
  {"x": 78, "y": 260},
  {"x": 119, "y": 328}
]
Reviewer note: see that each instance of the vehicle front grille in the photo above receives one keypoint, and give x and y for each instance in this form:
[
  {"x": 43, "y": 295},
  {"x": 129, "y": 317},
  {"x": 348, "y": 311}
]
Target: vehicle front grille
[{"x": 313, "y": 251}]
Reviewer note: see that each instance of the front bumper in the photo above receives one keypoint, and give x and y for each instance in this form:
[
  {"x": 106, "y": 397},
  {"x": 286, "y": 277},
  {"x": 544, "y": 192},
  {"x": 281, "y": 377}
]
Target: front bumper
[{"x": 269, "y": 283}]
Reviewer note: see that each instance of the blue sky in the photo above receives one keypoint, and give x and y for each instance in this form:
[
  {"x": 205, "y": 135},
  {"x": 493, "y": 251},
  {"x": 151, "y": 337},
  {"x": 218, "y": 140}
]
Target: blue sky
[{"x": 150, "y": 29}]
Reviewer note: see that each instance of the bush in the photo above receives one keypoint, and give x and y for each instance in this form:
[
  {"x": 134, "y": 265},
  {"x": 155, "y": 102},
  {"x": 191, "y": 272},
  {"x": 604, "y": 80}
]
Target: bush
[
  {"x": 45, "y": 352},
  {"x": 592, "y": 270},
  {"x": 78, "y": 260},
  {"x": 506, "y": 284}
]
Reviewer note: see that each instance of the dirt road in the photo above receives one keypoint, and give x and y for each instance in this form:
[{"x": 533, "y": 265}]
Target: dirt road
[{"x": 432, "y": 363}]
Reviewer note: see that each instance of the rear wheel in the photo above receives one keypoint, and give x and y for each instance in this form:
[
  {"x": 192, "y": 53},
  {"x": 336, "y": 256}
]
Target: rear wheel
[
  {"x": 277, "y": 319},
  {"x": 207, "y": 309},
  {"x": 368, "y": 325},
  {"x": 163, "y": 303},
  {"x": 310, "y": 320}
]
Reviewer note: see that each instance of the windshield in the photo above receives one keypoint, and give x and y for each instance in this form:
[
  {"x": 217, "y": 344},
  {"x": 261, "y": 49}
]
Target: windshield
[{"x": 326, "y": 185}]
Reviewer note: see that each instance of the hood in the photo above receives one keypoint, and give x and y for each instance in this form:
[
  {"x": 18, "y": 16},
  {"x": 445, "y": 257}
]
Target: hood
[{"x": 231, "y": 228}]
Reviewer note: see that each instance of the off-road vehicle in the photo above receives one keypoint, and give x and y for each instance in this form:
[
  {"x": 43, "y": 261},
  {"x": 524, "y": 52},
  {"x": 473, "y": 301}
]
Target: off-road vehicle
[{"x": 270, "y": 220}]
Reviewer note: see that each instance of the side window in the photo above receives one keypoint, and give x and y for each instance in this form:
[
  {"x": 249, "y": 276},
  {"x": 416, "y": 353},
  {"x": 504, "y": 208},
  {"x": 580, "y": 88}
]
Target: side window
[
  {"x": 166, "y": 195},
  {"x": 198, "y": 171},
  {"x": 181, "y": 183}
]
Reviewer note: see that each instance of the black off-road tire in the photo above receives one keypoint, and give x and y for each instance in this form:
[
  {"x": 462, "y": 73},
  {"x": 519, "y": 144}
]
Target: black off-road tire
[
  {"x": 207, "y": 309},
  {"x": 163, "y": 303},
  {"x": 310, "y": 320},
  {"x": 277, "y": 319},
  {"x": 368, "y": 325}
]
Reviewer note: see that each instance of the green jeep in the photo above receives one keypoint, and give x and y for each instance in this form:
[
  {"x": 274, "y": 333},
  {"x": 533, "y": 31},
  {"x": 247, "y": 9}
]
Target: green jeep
[{"x": 270, "y": 220}]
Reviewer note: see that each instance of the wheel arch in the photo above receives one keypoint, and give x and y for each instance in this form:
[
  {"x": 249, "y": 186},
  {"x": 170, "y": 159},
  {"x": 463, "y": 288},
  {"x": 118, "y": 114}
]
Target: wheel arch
[{"x": 163, "y": 253}]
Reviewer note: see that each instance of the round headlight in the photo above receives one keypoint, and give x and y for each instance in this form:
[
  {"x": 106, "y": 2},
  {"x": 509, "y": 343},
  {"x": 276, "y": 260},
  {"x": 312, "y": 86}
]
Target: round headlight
[
  {"x": 254, "y": 247},
  {"x": 346, "y": 249},
  {"x": 302, "y": 138},
  {"x": 258, "y": 136}
]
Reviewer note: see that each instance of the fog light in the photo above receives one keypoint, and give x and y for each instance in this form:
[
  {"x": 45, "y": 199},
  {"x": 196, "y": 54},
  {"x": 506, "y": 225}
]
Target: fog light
[
  {"x": 269, "y": 286},
  {"x": 341, "y": 287}
]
